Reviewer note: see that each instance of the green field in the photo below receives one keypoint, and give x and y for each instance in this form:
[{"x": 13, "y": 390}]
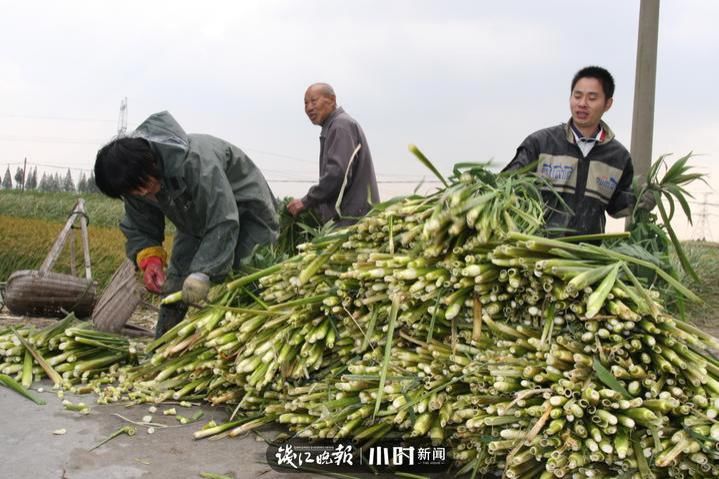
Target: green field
[
  {"x": 55, "y": 207},
  {"x": 31, "y": 221}
]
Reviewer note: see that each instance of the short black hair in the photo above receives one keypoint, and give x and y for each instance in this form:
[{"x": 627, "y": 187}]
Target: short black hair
[
  {"x": 123, "y": 165},
  {"x": 601, "y": 74}
]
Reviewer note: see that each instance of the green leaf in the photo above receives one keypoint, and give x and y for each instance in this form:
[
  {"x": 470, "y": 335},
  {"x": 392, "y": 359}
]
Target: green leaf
[
  {"x": 677, "y": 169},
  {"x": 521, "y": 171},
  {"x": 680, "y": 196},
  {"x": 10, "y": 383},
  {"x": 387, "y": 352},
  {"x": 672, "y": 208},
  {"x": 51, "y": 373},
  {"x": 636, "y": 250},
  {"x": 468, "y": 165},
  {"x": 689, "y": 177},
  {"x": 425, "y": 161},
  {"x": 653, "y": 173},
  {"x": 370, "y": 329},
  {"x": 683, "y": 260},
  {"x": 609, "y": 380}
]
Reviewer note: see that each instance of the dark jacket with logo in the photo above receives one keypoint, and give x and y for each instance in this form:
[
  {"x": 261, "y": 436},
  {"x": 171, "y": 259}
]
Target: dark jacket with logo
[
  {"x": 589, "y": 186},
  {"x": 210, "y": 190},
  {"x": 343, "y": 175}
]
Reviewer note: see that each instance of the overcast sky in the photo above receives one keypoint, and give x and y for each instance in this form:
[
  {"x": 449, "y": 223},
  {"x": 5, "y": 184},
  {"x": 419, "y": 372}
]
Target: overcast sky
[{"x": 464, "y": 80}]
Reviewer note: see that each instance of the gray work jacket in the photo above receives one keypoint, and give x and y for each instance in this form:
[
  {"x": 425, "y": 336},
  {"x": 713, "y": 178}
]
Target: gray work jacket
[{"x": 342, "y": 174}]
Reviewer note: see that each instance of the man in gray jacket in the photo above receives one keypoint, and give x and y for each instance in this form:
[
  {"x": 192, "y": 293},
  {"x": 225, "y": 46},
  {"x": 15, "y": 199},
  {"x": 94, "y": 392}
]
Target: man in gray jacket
[
  {"x": 347, "y": 186},
  {"x": 209, "y": 189}
]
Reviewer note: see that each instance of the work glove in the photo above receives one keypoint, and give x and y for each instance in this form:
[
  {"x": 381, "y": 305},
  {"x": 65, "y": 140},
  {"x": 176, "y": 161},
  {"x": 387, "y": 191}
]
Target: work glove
[
  {"x": 647, "y": 201},
  {"x": 153, "y": 273},
  {"x": 195, "y": 288}
]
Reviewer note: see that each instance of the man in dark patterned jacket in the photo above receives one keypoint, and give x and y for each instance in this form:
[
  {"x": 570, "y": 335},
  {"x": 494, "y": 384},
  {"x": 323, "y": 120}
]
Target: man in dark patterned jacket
[{"x": 586, "y": 166}]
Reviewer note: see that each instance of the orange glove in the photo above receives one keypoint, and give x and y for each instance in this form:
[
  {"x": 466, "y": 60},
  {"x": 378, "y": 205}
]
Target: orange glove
[{"x": 154, "y": 273}]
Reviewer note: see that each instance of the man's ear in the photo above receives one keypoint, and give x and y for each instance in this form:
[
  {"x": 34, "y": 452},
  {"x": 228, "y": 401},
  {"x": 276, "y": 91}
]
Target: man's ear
[{"x": 608, "y": 104}]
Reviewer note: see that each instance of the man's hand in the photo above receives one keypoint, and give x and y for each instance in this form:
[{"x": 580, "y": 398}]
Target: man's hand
[
  {"x": 647, "y": 201},
  {"x": 153, "y": 274},
  {"x": 195, "y": 288},
  {"x": 295, "y": 206}
]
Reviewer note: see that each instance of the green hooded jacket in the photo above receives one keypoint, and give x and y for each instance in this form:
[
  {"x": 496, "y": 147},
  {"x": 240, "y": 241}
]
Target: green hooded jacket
[{"x": 210, "y": 190}]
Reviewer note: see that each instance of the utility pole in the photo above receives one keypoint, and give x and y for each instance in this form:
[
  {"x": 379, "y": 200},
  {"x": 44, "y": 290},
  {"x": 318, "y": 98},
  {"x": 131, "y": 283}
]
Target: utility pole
[{"x": 644, "y": 87}]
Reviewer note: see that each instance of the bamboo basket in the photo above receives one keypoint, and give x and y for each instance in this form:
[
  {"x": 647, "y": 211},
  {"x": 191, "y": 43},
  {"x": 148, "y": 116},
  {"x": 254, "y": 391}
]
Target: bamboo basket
[
  {"x": 38, "y": 293},
  {"x": 119, "y": 300},
  {"x": 46, "y": 293}
]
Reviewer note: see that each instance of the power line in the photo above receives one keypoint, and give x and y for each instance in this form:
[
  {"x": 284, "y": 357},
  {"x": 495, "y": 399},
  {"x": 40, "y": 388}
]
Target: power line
[
  {"x": 279, "y": 155},
  {"x": 90, "y": 141},
  {"x": 703, "y": 203},
  {"x": 57, "y": 118},
  {"x": 51, "y": 139},
  {"x": 51, "y": 166}
]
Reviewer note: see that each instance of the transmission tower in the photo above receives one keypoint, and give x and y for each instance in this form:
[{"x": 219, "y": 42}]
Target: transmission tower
[
  {"x": 703, "y": 215},
  {"x": 122, "y": 118}
]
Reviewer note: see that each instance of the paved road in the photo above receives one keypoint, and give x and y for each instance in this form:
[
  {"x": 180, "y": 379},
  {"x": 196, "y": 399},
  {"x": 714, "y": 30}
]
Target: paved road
[{"x": 30, "y": 450}]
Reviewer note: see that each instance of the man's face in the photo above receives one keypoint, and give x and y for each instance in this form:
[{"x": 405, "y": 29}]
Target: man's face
[
  {"x": 150, "y": 188},
  {"x": 318, "y": 106},
  {"x": 588, "y": 103}
]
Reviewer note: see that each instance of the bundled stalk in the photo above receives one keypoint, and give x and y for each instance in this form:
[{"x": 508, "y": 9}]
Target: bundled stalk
[{"x": 70, "y": 352}]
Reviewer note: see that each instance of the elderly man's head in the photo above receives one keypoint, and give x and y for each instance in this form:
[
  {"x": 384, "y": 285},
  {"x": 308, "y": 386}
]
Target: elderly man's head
[{"x": 320, "y": 102}]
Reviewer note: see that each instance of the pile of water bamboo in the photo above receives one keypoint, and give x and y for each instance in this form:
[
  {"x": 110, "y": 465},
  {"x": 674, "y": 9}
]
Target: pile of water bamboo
[{"x": 446, "y": 317}]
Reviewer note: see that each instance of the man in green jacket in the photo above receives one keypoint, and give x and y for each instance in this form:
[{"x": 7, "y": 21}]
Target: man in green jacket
[{"x": 216, "y": 197}]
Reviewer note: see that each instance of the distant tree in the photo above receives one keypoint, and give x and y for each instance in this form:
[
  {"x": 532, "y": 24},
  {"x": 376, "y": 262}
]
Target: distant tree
[
  {"x": 19, "y": 178},
  {"x": 91, "y": 185},
  {"x": 52, "y": 182},
  {"x": 68, "y": 185},
  {"x": 31, "y": 183},
  {"x": 82, "y": 184},
  {"x": 7, "y": 180},
  {"x": 42, "y": 186}
]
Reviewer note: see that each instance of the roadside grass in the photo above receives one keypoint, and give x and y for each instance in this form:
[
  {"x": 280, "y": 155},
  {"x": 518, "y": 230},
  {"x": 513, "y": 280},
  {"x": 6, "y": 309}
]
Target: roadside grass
[{"x": 704, "y": 256}]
